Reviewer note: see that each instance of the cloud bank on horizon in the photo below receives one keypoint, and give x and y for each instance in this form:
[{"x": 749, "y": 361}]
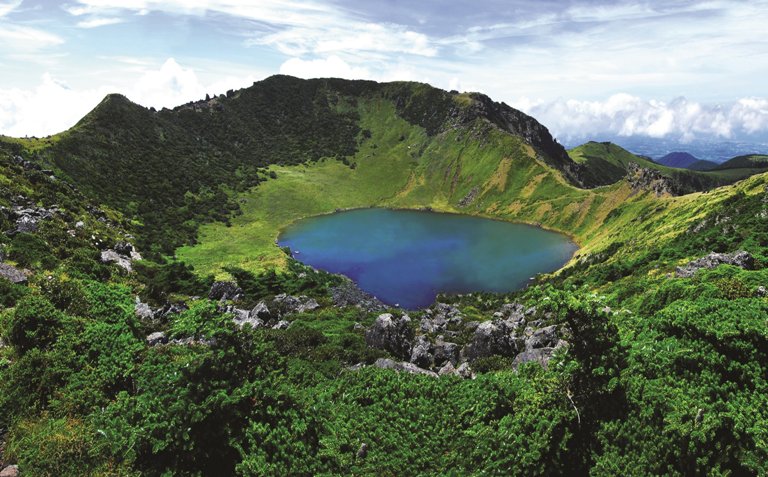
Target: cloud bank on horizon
[{"x": 679, "y": 69}]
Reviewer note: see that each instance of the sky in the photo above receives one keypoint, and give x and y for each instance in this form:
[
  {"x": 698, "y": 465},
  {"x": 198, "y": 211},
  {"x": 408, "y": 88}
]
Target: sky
[{"x": 677, "y": 69}]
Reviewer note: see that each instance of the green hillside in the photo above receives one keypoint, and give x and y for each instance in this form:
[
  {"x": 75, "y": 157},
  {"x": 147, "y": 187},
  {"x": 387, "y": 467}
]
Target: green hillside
[
  {"x": 115, "y": 365},
  {"x": 751, "y": 161}
]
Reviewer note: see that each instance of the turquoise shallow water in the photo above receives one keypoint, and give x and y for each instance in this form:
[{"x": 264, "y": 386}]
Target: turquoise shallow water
[{"x": 408, "y": 257}]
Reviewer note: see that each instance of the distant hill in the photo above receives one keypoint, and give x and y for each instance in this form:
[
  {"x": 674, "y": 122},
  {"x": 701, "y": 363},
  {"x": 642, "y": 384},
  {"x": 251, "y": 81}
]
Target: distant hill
[
  {"x": 604, "y": 163},
  {"x": 753, "y": 161},
  {"x": 684, "y": 160}
]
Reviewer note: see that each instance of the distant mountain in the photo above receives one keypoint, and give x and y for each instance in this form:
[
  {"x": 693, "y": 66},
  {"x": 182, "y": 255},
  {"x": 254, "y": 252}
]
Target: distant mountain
[
  {"x": 714, "y": 149},
  {"x": 750, "y": 161},
  {"x": 684, "y": 160}
]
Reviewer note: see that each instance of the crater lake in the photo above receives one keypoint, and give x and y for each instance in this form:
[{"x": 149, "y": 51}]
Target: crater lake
[{"x": 406, "y": 257}]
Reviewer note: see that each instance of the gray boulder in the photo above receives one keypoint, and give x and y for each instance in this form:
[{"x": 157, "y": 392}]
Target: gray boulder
[
  {"x": 439, "y": 317},
  {"x": 405, "y": 367},
  {"x": 157, "y": 338},
  {"x": 124, "y": 258},
  {"x": 491, "y": 338},
  {"x": 12, "y": 274},
  {"x": 741, "y": 259},
  {"x": 465, "y": 371},
  {"x": 10, "y": 471},
  {"x": 542, "y": 338},
  {"x": 538, "y": 355},
  {"x": 261, "y": 311},
  {"x": 421, "y": 354},
  {"x": 281, "y": 325},
  {"x": 285, "y": 304},
  {"x": 391, "y": 334},
  {"x": 143, "y": 310},
  {"x": 445, "y": 352},
  {"x": 225, "y": 291}
]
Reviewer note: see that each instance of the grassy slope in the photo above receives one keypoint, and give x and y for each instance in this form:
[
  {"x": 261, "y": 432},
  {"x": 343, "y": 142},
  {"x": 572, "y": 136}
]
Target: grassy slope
[
  {"x": 511, "y": 183},
  {"x": 759, "y": 161}
]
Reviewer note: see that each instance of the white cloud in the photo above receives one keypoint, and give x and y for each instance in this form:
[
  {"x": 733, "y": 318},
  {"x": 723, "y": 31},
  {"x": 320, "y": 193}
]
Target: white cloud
[
  {"x": 626, "y": 115},
  {"x": 48, "y": 108},
  {"x": 8, "y": 7},
  {"x": 52, "y": 106},
  {"x": 98, "y": 22},
  {"x": 17, "y": 38}
]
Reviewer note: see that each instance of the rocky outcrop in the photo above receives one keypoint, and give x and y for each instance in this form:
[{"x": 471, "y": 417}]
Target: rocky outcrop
[
  {"x": 391, "y": 334},
  {"x": 225, "y": 291},
  {"x": 349, "y": 294},
  {"x": 12, "y": 274},
  {"x": 515, "y": 332},
  {"x": 123, "y": 254},
  {"x": 402, "y": 366},
  {"x": 468, "y": 199},
  {"x": 739, "y": 259},
  {"x": 284, "y": 304},
  {"x": 643, "y": 179},
  {"x": 27, "y": 218},
  {"x": 440, "y": 317}
]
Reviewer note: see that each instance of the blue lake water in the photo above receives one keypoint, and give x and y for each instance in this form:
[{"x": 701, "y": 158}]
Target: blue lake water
[{"x": 408, "y": 257}]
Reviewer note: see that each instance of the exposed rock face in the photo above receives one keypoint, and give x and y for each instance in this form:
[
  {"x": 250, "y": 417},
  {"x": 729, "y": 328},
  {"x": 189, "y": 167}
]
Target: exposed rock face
[
  {"x": 739, "y": 259},
  {"x": 391, "y": 334},
  {"x": 492, "y": 338},
  {"x": 641, "y": 178},
  {"x": 403, "y": 366},
  {"x": 285, "y": 304},
  {"x": 542, "y": 338},
  {"x": 438, "y": 318},
  {"x": 421, "y": 353},
  {"x": 29, "y": 218},
  {"x": 468, "y": 199},
  {"x": 261, "y": 311},
  {"x": 123, "y": 257},
  {"x": 225, "y": 291},
  {"x": 349, "y": 294},
  {"x": 143, "y": 310},
  {"x": 12, "y": 274}
]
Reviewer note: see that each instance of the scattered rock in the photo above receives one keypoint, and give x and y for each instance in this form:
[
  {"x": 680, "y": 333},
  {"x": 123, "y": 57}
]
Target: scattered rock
[
  {"x": 157, "y": 338},
  {"x": 761, "y": 291},
  {"x": 143, "y": 310},
  {"x": 385, "y": 363},
  {"x": 470, "y": 197},
  {"x": 349, "y": 294},
  {"x": 281, "y": 325},
  {"x": 739, "y": 259},
  {"x": 10, "y": 471},
  {"x": 448, "y": 370},
  {"x": 169, "y": 309},
  {"x": 124, "y": 257},
  {"x": 439, "y": 317},
  {"x": 393, "y": 335},
  {"x": 225, "y": 291},
  {"x": 28, "y": 218},
  {"x": 12, "y": 274},
  {"x": 465, "y": 371},
  {"x": 362, "y": 452}
]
